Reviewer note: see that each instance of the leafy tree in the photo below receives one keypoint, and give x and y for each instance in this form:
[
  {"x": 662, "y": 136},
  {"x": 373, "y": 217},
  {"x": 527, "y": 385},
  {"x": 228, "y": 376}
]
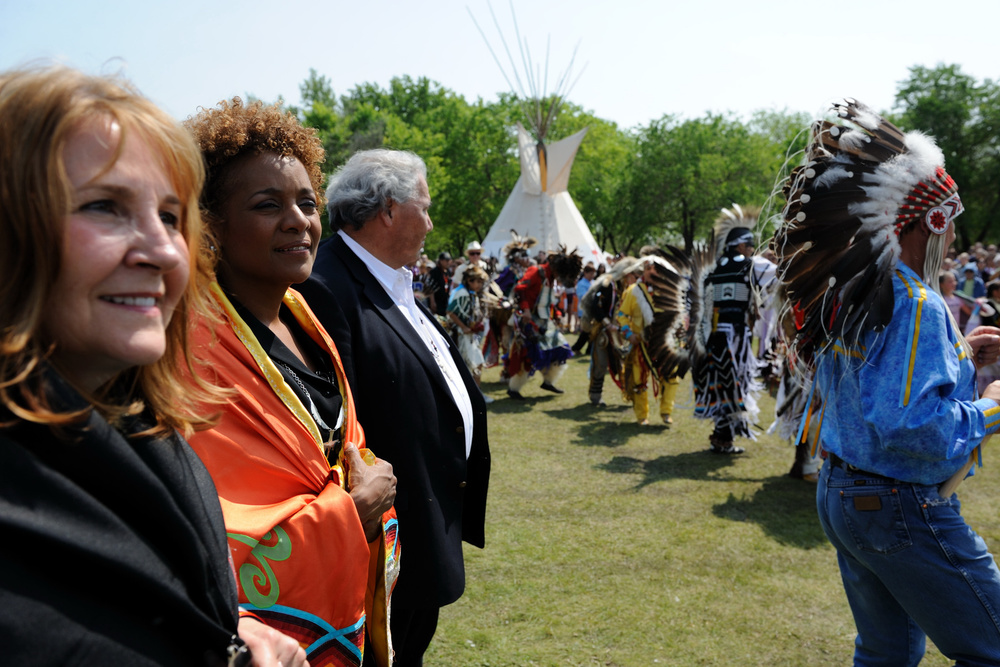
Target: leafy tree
[
  {"x": 789, "y": 131},
  {"x": 466, "y": 147},
  {"x": 481, "y": 169},
  {"x": 662, "y": 183},
  {"x": 684, "y": 172},
  {"x": 964, "y": 118},
  {"x": 467, "y": 150},
  {"x": 317, "y": 89}
]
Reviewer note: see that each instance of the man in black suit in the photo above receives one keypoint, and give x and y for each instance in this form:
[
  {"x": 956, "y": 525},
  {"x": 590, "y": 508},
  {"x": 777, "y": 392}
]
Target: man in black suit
[{"x": 416, "y": 400}]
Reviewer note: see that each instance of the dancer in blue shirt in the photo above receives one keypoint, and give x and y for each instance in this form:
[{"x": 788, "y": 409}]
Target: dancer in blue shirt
[{"x": 869, "y": 217}]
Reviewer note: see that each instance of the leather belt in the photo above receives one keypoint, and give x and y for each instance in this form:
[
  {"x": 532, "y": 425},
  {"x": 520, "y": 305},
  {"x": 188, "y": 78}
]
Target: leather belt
[{"x": 841, "y": 463}]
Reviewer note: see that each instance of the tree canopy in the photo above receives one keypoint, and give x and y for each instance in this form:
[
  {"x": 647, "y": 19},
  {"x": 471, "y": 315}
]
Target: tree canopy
[
  {"x": 964, "y": 117},
  {"x": 663, "y": 182}
]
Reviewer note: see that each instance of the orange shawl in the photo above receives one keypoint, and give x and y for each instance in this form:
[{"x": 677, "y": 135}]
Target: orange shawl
[{"x": 302, "y": 561}]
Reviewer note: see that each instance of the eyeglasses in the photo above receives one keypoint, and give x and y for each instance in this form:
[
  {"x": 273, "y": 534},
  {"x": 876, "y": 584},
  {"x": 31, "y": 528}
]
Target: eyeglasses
[{"x": 474, "y": 252}]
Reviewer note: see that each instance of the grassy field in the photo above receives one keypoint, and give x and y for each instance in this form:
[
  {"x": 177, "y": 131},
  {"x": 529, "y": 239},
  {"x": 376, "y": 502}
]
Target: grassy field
[{"x": 614, "y": 544}]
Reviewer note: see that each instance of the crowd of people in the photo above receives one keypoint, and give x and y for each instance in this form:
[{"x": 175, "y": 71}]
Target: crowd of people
[
  {"x": 518, "y": 316},
  {"x": 263, "y": 448}
]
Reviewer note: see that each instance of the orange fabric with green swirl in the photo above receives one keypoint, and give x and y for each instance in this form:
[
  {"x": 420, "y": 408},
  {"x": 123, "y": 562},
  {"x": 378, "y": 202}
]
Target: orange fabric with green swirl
[{"x": 302, "y": 562}]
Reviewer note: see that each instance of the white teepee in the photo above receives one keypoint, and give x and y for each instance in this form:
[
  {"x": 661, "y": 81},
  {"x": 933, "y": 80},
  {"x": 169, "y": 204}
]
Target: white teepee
[{"x": 540, "y": 205}]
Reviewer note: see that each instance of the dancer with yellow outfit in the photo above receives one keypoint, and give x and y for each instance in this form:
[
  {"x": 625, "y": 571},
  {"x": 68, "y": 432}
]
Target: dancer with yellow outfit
[{"x": 634, "y": 316}]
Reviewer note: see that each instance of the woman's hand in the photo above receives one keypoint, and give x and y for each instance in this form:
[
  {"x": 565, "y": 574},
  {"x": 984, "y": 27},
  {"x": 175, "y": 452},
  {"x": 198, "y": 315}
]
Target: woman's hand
[
  {"x": 372, "y": 487},
  {"x": 270, "y": 647},
  {"x": 985, "y": 344}
]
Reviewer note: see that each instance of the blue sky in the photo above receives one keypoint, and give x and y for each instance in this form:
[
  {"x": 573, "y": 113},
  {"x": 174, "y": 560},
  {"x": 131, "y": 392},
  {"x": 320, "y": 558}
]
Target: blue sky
[{"x": 637, "y": 59}]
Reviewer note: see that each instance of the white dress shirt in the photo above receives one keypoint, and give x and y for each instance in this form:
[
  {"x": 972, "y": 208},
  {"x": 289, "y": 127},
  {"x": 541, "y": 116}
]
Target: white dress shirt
[{"x": 398, "y": 284}]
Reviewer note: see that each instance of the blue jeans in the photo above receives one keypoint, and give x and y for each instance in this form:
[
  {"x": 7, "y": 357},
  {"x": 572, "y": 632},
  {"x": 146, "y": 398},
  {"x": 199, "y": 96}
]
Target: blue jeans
[{"x": 910, "y": 565}]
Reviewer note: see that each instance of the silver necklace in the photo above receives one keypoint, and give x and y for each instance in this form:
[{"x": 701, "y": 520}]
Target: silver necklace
[{"x": 313, "y": 410}]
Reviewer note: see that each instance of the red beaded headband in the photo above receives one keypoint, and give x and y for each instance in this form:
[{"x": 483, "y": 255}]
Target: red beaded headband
[{"x": 935, "y": 201}]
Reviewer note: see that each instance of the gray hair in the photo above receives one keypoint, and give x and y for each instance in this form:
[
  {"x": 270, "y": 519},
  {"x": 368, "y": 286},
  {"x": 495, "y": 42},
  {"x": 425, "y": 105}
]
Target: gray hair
[{"x": 363, "y": 187}]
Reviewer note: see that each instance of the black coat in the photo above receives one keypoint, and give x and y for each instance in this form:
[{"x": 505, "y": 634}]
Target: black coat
[
  {"x": 114, "y": 551},
  {"x": 411, "y": 421}
]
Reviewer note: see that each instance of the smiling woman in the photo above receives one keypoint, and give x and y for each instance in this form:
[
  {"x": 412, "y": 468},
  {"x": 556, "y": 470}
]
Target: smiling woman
[
  {"x": 308, "y": 509},
  {"x": 127, "y": 260},
  {"x": 98, "y": 215}
]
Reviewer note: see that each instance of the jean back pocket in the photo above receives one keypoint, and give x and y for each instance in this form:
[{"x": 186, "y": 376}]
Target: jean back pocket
[{"x": 875, "y": 518}]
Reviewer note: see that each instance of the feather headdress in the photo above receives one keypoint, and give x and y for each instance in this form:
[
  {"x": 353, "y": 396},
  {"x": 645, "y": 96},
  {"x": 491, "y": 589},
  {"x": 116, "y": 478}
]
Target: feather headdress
[
  {"x": 518, "y": 246},
  {"x": 565, "y": 266},
  {"x": 702, "y": 263},
  {"x": 734, "y": 226},
  {"x": 666, "y": 336},
  {"x": 599, "y": 283},
  {"x": 861, "y": 184},
  {"x": 623, "y": 267}
]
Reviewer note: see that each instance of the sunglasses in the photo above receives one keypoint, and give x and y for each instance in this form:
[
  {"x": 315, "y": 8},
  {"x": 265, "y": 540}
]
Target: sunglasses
[{"x": 474, "y": 252}]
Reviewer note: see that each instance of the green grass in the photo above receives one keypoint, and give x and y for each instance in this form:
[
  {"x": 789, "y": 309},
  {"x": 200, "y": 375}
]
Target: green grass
[{"x": 612, "y": 544}]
